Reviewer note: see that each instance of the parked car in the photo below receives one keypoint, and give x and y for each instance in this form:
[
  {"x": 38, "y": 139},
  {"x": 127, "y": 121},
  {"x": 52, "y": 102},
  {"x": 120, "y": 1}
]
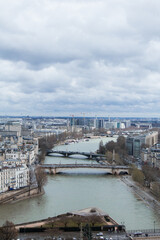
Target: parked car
[
  {"x": 101, "y": 237},
  {"x": 99, "y": 234},
  {"x": 137, "y": 234}
]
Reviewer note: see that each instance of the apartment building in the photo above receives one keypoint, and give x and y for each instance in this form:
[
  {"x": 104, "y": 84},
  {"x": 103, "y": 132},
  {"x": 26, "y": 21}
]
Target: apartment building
[
  {"x": 13, "y": 177},
  {"x": 26, "y": 156}
]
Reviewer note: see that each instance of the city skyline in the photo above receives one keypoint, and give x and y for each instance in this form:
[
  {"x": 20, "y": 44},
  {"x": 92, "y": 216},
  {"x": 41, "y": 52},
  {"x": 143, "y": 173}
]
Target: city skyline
[{"x": 69, "y": 58}]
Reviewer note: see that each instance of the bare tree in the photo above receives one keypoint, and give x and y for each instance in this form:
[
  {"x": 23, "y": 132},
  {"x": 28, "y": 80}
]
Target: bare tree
[
  {"x": 110, "y": 146},
  {"x": 156, "y": 189},
  {"x": 109, "y": 157},
  {"x": 64, "y": 220},
  {"x": 52, "y": 230},
  {"x": 150, "y": 173},
  {"x": 102, "y": 149},
  {"x": 41, "y": 178},
  {"x": 78, "y": 220},
  {"x": 138, "y": 175},
  {"x": 50, "y": 222},
  {"x": 8, "y": 231},
  {"x": 95, "y": 219}
]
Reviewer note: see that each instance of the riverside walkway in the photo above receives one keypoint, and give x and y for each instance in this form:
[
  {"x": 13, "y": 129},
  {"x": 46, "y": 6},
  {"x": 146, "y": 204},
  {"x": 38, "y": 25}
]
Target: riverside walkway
[
  {"x": 90, "y": 155},
  {"x": 110, "y": 169}
]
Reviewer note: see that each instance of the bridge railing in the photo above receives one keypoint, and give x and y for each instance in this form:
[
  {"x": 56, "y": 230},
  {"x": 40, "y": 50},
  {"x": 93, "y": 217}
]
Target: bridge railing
[
  {"x": 75, "y": 152},
  {"x": 143, "y": 231},
  {"x": 84, "y": 165}
]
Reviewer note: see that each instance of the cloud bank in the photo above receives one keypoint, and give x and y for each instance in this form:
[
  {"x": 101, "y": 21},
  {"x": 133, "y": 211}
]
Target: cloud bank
[{"x": 68, "y": 57}]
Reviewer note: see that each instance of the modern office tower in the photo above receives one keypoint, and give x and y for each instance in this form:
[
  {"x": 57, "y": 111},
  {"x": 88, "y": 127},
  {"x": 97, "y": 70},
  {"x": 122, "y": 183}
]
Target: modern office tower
[
  {"x": 100, "y": 123},
  {"x": 134, "y": 143},
  {"x": 110, "y": 125}
]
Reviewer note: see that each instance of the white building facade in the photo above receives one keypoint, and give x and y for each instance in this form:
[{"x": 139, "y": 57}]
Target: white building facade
[{"x": 13, "y": 177}]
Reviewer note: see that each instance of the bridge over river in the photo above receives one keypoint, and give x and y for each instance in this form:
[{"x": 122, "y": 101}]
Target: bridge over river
[
  {"x": 110, "y": 169},
  {"x": 90, "y": 155}
]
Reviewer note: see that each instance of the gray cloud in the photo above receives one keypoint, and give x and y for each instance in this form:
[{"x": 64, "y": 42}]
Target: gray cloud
[{"x": 65, "y": 57}]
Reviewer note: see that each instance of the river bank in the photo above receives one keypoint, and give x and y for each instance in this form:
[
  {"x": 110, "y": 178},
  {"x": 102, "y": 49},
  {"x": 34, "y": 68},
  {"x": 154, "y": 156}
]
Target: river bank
[
  {"x": 29, "y": 192},
  {"x": 83, "y": 138},
  {"x": 142, "y": 192},
  {"x": 19, "y": 195},
  {"x": 79, "y": 189}
]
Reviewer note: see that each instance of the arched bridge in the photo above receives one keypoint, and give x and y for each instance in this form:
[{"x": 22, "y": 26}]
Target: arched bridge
[
  {"x": 111, "y": 169},
  {"x": 89, "y": 155}
]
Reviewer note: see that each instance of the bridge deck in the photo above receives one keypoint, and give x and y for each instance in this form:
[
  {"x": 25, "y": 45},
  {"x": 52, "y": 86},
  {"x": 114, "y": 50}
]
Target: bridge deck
[
  {"x": 83, "y": 166},
  {"x": 68, "y": 153}
]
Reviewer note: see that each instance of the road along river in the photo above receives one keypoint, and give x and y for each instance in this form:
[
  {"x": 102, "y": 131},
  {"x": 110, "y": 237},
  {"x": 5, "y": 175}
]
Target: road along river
[{"x": 81, "y": 188}]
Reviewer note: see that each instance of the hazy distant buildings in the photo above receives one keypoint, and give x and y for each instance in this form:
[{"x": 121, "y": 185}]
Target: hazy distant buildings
[
  {"x": 12, "y": 126},
  {"x": 98, "y": 123},
  {"x": 144, "y": 125},
  {"x": 110, "y": 125}
]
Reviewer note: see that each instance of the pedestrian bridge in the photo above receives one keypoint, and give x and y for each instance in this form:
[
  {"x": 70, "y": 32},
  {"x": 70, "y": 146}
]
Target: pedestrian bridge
[
  {"x": 110, "y": 169},
  {"x": 89, "y": 155}
]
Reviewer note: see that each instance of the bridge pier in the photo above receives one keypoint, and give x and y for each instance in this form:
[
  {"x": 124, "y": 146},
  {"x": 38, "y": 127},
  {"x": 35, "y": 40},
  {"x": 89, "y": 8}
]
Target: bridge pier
[
  {"x": 52, "y": 171},
  {"x": 114, "y": 172}
]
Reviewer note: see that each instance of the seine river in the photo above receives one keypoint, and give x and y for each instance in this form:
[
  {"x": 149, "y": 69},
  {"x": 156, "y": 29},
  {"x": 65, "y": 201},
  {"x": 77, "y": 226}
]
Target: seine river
[{"x": 78, "y": 189}]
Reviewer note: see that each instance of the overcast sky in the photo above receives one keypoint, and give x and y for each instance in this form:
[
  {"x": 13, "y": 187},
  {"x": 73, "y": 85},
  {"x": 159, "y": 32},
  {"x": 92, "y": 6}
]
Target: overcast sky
[{"x": 65, "y": 57}]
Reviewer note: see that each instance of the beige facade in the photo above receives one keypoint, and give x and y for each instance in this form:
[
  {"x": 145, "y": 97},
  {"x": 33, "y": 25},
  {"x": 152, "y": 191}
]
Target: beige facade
[
  {"x": 151, "y": 138},
  {"x": 14, "y": 127}
]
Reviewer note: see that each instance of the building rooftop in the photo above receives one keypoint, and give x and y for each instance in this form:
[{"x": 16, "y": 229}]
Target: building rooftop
[{"x": 89, "y": 212}]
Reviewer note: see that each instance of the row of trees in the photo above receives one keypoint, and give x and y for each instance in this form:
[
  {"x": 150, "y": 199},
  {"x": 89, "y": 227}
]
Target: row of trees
[
  {"x": 9, "y": 232},
  {"x": 119, "y": 147},
  {"x": 137, "y": 175},
  {"x": 147, "y": 176},
  {"x": 84, "y": 223},
  {"x": 45, "y": 143},
  {"x": 48, "y": 142},
  {"x": 70, "y": 221}
]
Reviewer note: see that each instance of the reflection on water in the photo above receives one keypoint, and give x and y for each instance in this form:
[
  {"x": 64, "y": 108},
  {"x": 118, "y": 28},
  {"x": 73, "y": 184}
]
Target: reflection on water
[{"x": 82, "y": 188}]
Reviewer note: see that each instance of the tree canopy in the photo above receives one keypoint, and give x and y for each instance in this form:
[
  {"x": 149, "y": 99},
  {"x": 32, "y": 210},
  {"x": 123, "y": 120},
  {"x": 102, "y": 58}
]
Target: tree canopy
[
  {"x": 41, "y": 178},
  {"x": 119, "y": 147},
  {"x": 138, "y": 175},
  {"x": 8, "y": 231}
]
